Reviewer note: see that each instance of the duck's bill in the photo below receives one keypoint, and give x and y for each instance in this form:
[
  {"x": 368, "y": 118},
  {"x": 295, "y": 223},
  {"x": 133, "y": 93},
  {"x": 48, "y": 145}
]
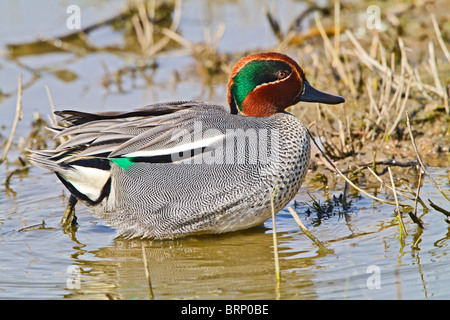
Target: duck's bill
[{"x": 311, "y": 94}]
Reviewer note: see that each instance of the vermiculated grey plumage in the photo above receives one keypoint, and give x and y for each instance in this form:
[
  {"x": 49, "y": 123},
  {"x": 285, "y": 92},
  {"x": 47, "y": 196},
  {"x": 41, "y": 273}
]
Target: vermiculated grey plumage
[{"x": 216, "y": 189}]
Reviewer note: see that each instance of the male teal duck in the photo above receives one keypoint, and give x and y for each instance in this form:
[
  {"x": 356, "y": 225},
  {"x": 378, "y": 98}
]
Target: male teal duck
[{"x": 184, "y": 168}]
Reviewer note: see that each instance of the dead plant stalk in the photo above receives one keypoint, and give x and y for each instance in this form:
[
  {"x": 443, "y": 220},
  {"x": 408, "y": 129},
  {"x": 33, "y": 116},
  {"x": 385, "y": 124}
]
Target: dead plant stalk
[
  {"x": 399, "y": 216},
  {"x": 420, "y": 159},
  {"x": 307, "y": 233},
  {"x": 274, "y": 234},
  {"x": 347, "y": 179},
  {"x": 16, "y": 119}
]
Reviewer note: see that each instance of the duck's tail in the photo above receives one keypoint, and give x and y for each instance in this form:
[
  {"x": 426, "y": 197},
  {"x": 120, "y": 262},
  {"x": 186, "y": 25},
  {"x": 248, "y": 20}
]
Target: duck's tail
[{"x": 88, "y": 179}]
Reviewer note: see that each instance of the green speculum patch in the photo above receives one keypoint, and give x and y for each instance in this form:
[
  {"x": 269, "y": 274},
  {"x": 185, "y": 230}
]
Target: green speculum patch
[
  {"x": 124, "y": 163},
  {"x": 253, "y": 74}
]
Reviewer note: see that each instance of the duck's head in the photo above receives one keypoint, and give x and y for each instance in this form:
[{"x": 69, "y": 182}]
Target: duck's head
[{"x": 263, "y": 84}]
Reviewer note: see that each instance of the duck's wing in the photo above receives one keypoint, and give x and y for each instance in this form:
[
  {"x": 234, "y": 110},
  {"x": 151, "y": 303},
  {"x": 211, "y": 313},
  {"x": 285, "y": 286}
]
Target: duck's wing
[
  {"x": 94, "y": 140},
  {"x": 116, "y": 134}
]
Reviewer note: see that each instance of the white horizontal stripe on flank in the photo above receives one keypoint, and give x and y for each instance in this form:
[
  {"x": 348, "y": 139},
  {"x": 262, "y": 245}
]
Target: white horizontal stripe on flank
[{"x": 181, "y": 148}]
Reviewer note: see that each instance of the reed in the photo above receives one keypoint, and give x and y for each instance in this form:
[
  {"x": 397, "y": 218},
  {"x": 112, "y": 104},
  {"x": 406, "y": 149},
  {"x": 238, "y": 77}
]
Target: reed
[
  {"x": 16, "y": 120},
  {"x": 305, "y": 230},
  {"x": 424, "y": 168},
  {"x": 147, "y": 273},
  {"x": 399, "y": 215},
  {"x": 274, "y": 238}
]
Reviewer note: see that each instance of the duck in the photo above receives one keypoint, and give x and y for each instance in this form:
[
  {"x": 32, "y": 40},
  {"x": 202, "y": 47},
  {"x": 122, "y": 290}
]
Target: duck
[{"x": 186, "y": 168}]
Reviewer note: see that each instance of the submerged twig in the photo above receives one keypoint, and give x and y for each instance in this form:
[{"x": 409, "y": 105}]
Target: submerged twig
[
  {"x": 8, "y": 177},
  {"x": 16, "y": 119},
  {"x": 38, "y": 226},
  {"x": 307, "y": 233},
  {"x": 442, "y": 210}
]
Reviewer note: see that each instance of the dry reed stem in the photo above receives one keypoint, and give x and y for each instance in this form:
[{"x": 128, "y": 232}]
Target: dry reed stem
[
  {"x": 370, "y": 62},
  {"x": 349, "y": 75},
  {"x": 307, "y": 233},
  {"x": 401, "y": 105},
  {"x": 337, "y": 25},
  {"x": 439, "y": 37},
  {"x": 336, "y": 61},
  {"x": 149, "y": 46},
  {"x": 373, "y": 104},
  {"x": 274, "y": 236},
  {"x": 16, "y": 119},
  {"x": 147, "y": 272},
  {"x": 211, "y": 41},
  {"x": 151, "y": 16},
  {"x": 144, "y": 32},
  {"x": 402, "y": 109},
  {"x": 420, "y": 84},
  {"x": 399, "y": 216},
  {"x": 414, "y": 193},
  {"x": 388, "y": 72},
  {"x": 54, "y": 121},
  {"x": 434, "y": 72},
  {"x": 335, "y": 169},
  {"x": 420, "y": 159},
  {"x": 417, "y": 193},
  {"x": 385, "y": 185},
  {"x": 178, "y": 38}
]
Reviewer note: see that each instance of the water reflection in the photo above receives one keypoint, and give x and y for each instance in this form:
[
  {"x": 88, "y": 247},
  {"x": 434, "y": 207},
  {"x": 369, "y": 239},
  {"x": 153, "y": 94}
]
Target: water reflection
[{"x": 232, "y": 266}]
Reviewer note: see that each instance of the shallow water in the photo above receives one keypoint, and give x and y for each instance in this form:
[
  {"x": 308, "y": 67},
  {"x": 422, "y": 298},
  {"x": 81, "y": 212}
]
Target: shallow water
[
  {"x": 39, "y": 263},
  {"x": 369, "y": 260}
]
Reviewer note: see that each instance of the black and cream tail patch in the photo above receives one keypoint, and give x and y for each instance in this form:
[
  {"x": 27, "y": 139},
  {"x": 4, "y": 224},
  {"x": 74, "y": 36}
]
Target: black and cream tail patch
[{"x": 87, "y": 183}]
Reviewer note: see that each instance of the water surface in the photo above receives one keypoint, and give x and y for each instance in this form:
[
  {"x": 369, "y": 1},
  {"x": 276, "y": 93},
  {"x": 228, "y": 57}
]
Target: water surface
[{"x": 370, "y": 261}]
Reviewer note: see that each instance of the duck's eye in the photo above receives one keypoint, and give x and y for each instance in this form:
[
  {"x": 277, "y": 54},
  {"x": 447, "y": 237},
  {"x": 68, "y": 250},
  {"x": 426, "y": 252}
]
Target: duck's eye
[{"x": 282, "y": 74}]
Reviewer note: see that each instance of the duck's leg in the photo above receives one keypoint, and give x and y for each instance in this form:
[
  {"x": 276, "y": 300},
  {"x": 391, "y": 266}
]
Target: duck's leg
[{"x": 69, "y": 218}]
